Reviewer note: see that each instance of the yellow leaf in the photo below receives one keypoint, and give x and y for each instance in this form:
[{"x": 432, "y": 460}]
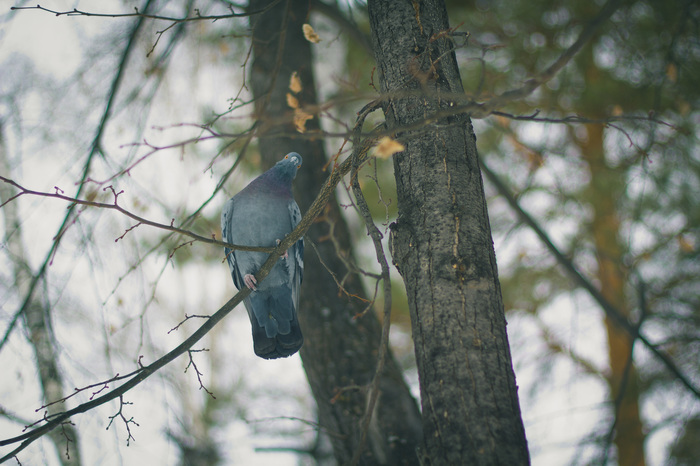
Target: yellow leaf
[
  {"x": 295, "y": 83},
  {"x": 672, "y": 72},
  {"x": 300, "y": 118},
  {"x": 310, "y": 34},
  {"x": 292, "y": 101},
  {"x": 686, "y": 244},
  {"x": 387, "y": 147}
]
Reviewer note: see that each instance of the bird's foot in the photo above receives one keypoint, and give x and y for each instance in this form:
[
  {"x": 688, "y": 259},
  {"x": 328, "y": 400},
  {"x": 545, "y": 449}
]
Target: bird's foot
[
  {"x": 286, "y": 254},
  {"x": 250, "y": 281}
]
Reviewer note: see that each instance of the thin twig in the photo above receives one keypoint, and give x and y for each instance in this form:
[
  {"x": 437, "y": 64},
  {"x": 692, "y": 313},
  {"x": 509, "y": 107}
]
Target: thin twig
[
  {"x": 376, "y": 235},
  {"x": 337, "y": 172},
  {"x": 95, "y": 148},
  {"x": 141, "y": 220},
  {"x": 611, "y": 311},
  {"x": 138, "y": 14},
  {"x": 529, "y": 87}
]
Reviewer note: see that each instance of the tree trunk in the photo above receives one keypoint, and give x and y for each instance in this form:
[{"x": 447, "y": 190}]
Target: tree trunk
[
  {"x": 607, "y": 185},
  {"x": 37, "y": 322},
  {"x": 339, "y": 349},
  {"x": 442, "y": 246}
]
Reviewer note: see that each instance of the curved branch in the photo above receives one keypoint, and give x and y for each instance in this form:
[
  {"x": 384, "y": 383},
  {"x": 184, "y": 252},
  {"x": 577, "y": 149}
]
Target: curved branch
[
  {"x": 611, "y": 311},
  {"x": 376, "y": 236},
  {"x": 196, "y": 17},
  {"x": 529, "y": 87},
  {"x": 118, "y": 208},
  {"x": 337, "y": 172},
  {"x": 95, "y": 148}
]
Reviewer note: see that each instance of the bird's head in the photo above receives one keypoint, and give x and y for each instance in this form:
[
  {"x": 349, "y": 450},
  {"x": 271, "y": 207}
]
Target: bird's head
[{"x": 290, "y": 164}]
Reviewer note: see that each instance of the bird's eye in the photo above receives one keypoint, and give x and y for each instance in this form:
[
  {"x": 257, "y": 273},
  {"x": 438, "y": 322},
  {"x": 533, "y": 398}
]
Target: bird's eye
[{"x": 286, "y": 156}]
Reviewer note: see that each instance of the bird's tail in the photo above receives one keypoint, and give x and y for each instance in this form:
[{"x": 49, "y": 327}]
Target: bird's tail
[{"x": 276, "y": 331}]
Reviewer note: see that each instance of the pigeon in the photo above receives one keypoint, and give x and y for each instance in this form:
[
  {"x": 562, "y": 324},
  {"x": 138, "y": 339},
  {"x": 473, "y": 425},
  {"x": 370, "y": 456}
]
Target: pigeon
[{"x": 262, "y": 214}]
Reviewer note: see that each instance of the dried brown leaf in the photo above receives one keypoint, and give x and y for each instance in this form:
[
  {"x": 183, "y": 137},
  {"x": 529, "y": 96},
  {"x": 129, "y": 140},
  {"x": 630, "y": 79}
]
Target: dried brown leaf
[
  {"x": 292, "y": 101},
  {"x": 686, "y": 244},
  {"x": 310, "y": 34},
  {"x": 295, "y": 83},
  {"x": 300, "y": 118},
  {"x": 387, "y": 147}
]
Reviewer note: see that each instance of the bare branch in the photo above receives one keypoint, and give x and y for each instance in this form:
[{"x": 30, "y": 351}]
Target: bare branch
[
  {"x": 120, "y": 415},
  {"x": 611, "y": 311},
  {"x": 120, "y": 209},
  {"x": 187, "y": 317},
  {"x": 376, "y": 236},
  {"x": 196, "y": 370},
  {"x": 66, "y": 435},
  {"x": 137, "y": 14},
  {"x": 529, "y": 87},
  {"x": 95, "y": 148},
  {"x": 144, "y": 372}
]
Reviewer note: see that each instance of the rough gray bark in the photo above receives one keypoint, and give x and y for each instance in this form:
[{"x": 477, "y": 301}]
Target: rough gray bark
[
  {"x": 442, "y": 246},
  {"x": 339, "y": 350}
]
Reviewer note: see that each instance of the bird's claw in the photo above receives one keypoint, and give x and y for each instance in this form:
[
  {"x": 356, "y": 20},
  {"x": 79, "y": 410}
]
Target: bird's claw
[
  {"x": 250, "y": 282},
  {"x": 286, "y": 254}
]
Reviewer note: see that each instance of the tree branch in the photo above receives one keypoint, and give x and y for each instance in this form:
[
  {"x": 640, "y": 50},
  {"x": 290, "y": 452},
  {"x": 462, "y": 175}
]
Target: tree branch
[
  {"x": 143, "y": 15},
  {"x": 376, "y": 236},
  {"x": 337, "y": 172},
  {"x": 118, "y": 208},
  {"x": 529, "y": 87},
  {"x": 95, "y": 148},
  {"x": 611, "y": 311}
]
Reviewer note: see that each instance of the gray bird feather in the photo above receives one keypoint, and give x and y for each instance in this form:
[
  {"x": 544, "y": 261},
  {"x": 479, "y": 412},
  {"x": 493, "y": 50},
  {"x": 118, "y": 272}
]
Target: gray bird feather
[{"x": 262, "y": 214}]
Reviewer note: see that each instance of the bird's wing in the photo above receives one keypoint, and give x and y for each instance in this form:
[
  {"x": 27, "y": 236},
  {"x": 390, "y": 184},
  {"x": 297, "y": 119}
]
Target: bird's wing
[
  {"x": 226, "y": 228},
  {"x": 295, "y": 264}
]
